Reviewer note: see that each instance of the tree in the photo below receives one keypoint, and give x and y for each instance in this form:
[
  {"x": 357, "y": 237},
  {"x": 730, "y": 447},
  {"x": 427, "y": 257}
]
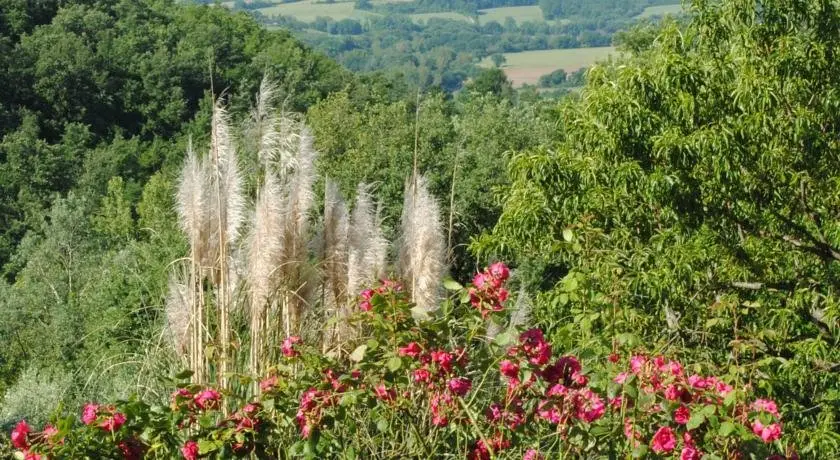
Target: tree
[
  {"x": 498, "y": 59},
  {"x": 492, "y": 81},
  {"x": 693, "y": 203}
]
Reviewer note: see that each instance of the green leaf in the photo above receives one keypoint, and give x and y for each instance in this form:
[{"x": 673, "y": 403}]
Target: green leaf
[
  {"x": 726, "y": 428},
  {"x": 452, "y": 285},
  {"x": 358, "y": 354},
  {"x": 730, "y": 398},
  {"x": 695, "y": 421},
  {"x": 568, "y": 235},
  {"x": 184, "y": 374},
  {"x": 503, "y": 339},
  {"x": 708, "y": 410},
  {"x": 382, "y": 425},
  {"x": 639, "y": 451},
  {"x": 394, "y": 364},
  {"x": 205, "y": 446}
]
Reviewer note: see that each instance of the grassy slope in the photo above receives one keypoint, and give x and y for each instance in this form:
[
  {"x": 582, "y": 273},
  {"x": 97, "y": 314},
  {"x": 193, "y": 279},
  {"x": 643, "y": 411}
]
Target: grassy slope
[
  {"x": 661, "y": 10},
  {"x": 528, "y": 66}
]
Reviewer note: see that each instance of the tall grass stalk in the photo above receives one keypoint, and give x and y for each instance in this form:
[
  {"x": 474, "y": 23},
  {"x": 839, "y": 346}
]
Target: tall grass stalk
[{"x": 422, "y": 247}]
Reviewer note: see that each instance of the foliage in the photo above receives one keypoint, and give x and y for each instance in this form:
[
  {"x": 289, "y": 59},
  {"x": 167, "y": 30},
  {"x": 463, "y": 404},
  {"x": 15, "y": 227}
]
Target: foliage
[
  {"x": 691, "y": 204},
  {"x": 432, "y": 387}
]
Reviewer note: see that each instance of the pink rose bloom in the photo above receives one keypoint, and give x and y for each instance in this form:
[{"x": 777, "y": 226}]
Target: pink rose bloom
[
  {"x": 660, "y": 363},
  {"x": 557, "y": 390},
  {"x": 765, "y": 405},
  {"x": 675, "y": 368},
  {"x": 29, "y": 455},
  {"x": 190, "y": 450},
  {"x": 767, "y": 433},
  {"x": 113, "y": 423},
  {"x": 89, "y": 413},
  {"x": 384, "y": 393},
  {"x": 630, "y": 431},
  {"x": 613, "y": 357},
  {"x": 546, "y": 410},
  {"x": 664, "y": 440},
  {"x": 722, "y": 388},
  {"x": 532, "y": 454},
  {"x": 672, "y": 393},
  {"x": 621, "y": 378},
  {"x": 494, "y": 412},
  {"x": 288, "y": 347},
  {"x": 367, "y": 294},
  {"x": 422, "y": 375},
  {"x": 681, "y": 415},
  {"x": 535, "y": 347},
  {"x": 269, "y": 383},
  {"x": 207, "y": 399},
  {"x": 481, "y": 280},
  {"x": 698, "y": 382},
  {"x": 460, "y": 386},
  {"x": 690, "y": 452},
  {"x": 499, "y": 271},
  {"x": 443, "y": 359},
  {"x": 615, "y": 403},
  {"x": 49, "y": 432},
  {"x": 20, "y": 435},
  {"x": 637, "y": 363},
  {"x": 412, "y": 349},
  {"x": 589, "y": 405},
  {"x": 509, "y": 369}
]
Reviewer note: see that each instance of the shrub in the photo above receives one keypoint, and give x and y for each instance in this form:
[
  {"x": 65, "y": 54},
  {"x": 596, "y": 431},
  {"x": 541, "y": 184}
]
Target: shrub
[{"x": 421, "y": 384}]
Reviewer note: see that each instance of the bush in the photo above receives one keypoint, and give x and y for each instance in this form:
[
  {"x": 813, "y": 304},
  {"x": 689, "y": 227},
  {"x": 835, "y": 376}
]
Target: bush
[{"x": 431, "y": 386}]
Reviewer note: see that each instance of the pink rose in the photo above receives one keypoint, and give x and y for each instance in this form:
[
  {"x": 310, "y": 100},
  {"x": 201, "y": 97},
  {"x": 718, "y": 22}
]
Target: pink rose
[
  {"x": 621, "y": 378},
  {"x": 460, "y": 385},
  {"x": 269, "y": 383},
  {"x": 20, "y": 435},
  {"x": 637, "y": 363},
  {"x": 412, "y": 349},
  {"x": 509, "y": 369},
  {"x": 532, "y": 454},
  {"x": 663, "y": 440},
  {"x": 690, "y": 452},
  {"x": 422, "y": 375},
  {"x": 113, "y": 423},
  {"x": 288, "y": 347},
  {"x": 672, "y": 393},
  {"x": 589, "y": 406},
  {"x": 89, "y": 412},
  {"x": 207, "y": 399},
  {"x": 765, "y": 405},
  {"x": 499, "y": 271},
  {"x": 681, "y": 415},
  {"x": 384, "y": 393},
  {"x": 190, "y": 450},
  {"x": 443, "y": 359},
  {"x": 698, "y": 382},
  {"x": 768, "y": 433}
]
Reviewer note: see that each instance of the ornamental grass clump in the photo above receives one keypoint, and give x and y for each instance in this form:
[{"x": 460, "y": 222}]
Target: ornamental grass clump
[{"x": 436, "y": 388}]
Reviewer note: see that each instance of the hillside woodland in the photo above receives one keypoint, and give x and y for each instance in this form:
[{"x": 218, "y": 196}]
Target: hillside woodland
[{"x": 217, "y": 242}]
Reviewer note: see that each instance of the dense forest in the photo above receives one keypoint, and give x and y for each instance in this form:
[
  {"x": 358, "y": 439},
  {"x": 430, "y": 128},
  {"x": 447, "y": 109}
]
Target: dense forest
[{"x": 669, "y": 234}]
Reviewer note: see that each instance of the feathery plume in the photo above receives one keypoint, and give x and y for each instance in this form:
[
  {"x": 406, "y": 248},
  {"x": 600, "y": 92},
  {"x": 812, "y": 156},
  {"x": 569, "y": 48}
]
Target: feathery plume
[
  {"x": 299, "y": 199},
  {"x": 367, "y": 246},
  {"x": 178, "y": 309},
  {"x": 264, "y": 251},
  {"x": 422, "y": 251},
  {"x": 334, "y": 257},
  {"x": 230, "y": 196}
]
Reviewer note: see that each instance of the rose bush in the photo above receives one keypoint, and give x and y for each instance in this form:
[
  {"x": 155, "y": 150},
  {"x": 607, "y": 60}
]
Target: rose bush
[{"x": 428, "y": 385}]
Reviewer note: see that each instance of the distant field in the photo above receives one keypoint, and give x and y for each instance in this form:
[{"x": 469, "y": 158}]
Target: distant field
[
  {"x": 423, "y": 17},
  {"x": 308, "y": 10},
  {"x": 661, "y": 10},
  {"x": 529, "y": 66},
  {"x": 518, "y": 13}
]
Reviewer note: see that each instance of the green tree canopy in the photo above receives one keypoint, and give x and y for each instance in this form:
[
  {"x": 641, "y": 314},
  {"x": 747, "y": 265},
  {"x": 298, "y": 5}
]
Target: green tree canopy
[{"x": 693, "y": 201}]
